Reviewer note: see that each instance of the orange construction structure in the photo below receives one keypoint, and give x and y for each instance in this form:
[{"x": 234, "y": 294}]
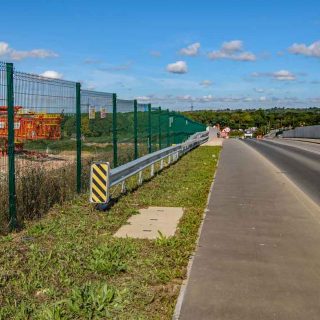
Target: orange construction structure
[{"x": 29, "y": 126}]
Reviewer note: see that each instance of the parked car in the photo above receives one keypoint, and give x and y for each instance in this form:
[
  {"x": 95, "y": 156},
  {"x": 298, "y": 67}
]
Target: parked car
[{"x": 248, "y": 134}]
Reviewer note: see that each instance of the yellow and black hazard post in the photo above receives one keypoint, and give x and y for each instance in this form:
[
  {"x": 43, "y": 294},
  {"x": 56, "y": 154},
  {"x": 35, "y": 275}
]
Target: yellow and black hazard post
[{"x": 99, "y": 182}]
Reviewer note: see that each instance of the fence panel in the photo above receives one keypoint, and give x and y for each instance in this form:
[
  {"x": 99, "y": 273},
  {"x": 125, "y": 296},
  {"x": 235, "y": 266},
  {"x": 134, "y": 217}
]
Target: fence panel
[
  {"x": 155, "y": 129},
  {"x": 56, "y": 130},
  {"x": 45, "y": 142},
  {"x": 164, "y": 123},
  {"x": 4, "y": 186},
  {"x": 96, "y": 130},
  {"x": 143, "y": 129},
  {"x": 125, "y": 130}
]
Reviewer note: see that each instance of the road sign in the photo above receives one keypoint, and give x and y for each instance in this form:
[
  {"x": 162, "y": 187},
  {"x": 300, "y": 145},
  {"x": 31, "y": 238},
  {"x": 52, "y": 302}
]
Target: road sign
[
  {"x": 99, "y": 182},
  {"x": 92, "y": 112},
  {"x": 103, "y": 112}
]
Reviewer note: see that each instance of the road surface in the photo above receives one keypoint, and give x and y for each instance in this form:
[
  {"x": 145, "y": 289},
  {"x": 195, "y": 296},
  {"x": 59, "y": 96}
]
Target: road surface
[
  {"x": 300, "y": 161},
  {"x": 258, "y": 255}
]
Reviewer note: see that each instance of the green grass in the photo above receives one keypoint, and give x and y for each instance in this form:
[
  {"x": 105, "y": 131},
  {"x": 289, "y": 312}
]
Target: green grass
[{"x": 68, "y": 266}]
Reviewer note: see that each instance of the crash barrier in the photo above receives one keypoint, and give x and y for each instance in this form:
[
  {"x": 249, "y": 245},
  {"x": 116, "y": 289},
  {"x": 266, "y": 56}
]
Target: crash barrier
[{"x": 102, "y": 178}]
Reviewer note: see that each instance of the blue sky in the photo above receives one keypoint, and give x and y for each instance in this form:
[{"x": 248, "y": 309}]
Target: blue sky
[{"x": 173, "y": 53}]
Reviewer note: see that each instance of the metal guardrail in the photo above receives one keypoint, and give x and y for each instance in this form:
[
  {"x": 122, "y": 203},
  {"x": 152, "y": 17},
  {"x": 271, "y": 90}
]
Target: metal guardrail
[
  {"x": 122, "y": 173},
  {"x": 129, "y": 169}
]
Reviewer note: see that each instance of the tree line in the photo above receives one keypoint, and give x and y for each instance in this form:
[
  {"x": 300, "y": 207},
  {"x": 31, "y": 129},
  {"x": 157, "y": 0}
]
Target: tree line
[{"x": 264, "y": 119}]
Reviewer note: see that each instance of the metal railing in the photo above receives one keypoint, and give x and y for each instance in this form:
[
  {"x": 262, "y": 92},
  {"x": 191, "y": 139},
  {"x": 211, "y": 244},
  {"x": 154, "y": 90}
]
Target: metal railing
[
  {"x": 52, "y": 129},
  {"x": 122, "y": 173}
]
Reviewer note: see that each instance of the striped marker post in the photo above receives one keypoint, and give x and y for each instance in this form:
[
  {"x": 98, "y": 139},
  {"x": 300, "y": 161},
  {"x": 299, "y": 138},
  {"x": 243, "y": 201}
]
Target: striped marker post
[{"x": 99, "y": 182}]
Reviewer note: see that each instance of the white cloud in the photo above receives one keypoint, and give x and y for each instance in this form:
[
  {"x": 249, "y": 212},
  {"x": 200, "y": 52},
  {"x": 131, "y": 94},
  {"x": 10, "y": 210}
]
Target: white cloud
[
  {"x": 232, "y": 46},
  {"x": 207, "y": 98},
  {"x": 206, "y": 83},
  {"x": 191, "y": 50},
  {"x": 52, "y": 74},
  {"x": 281, "y": 75},
  {"x": 143, "y": 98},
  {"x": 4, "y": 49},
  {"x": 186, "y": 97},
  {"x": 259, "y": 90},
  {"x": 284, "y": 75},
  {"x": 232, "y": 50},
  {"x": 201, "y": 102},
  {"x": 313, "y": 50},
  {"x": 91, "y": 87},
  {"x": 7, "y": 52},
  {"x": 177, "y": 67},
  {"x": 189, "y": 98}
]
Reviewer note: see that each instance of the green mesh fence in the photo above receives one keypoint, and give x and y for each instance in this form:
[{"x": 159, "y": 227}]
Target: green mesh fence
[
  {"x": 125, "y": 130},
  {"x": 164, "y": 123},
  {"x": 155, "y": 129},
  {"x": 45, "y": 144},
  {"x": 143, "y": 129},
  {"x": 56, "y": 131},
  {"x": 96, "y": 130}
]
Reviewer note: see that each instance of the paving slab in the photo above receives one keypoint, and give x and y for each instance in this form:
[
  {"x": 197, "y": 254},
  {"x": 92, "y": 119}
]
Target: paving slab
[
  {"x": 258, "y": 256},
  {"x": 150, "y": 221},
  {"x": 213, "y": 142}
]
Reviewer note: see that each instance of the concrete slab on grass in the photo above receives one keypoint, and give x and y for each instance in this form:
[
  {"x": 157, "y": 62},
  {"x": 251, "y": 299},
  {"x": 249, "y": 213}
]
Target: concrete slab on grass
[
  {"x": 213, "y": 142},
  {"x": 148, "y": 223}
]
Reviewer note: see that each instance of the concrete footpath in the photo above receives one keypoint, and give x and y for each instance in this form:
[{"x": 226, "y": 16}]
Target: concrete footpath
[{"x": 259, "y": 251}]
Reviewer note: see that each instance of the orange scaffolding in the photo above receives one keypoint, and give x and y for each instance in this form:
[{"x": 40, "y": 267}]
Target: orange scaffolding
[{"x": 29, "y": 126}]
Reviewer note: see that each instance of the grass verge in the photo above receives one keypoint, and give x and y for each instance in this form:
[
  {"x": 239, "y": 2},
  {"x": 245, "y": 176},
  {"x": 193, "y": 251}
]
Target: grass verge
[{"x": 68, "y": 265}]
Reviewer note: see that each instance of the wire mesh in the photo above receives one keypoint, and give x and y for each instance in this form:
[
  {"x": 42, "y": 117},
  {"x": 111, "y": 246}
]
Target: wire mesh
[
  {"x": 45, "y": 142},
  {"x": 45, "y": 131},
  {"x": 125, "y": 130},
  {"x": 96, "y": 130},
  {"x": 164, "y": 122},
  {"x": 143, "y": 129},
  {"x": 155, "y": 129}
]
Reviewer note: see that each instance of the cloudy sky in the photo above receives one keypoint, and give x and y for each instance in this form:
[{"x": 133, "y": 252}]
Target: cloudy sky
[{"x": 172, "y": 53}]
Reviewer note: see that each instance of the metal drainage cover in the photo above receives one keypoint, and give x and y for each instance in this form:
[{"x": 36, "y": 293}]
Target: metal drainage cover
[{"x": 148, "y": 223}]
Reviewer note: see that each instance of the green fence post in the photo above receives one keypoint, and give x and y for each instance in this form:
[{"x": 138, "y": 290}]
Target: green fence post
[
  {"x": 114, "y": 130},
  {"x": 149, "y": 128},
  {"x": 168, "y": 128},
  {"x": 78, "y": 134},
  {"x": 135, "y": 120},
  {"x": 11, "y": 160},
  {"x": 160, "y": 128}
]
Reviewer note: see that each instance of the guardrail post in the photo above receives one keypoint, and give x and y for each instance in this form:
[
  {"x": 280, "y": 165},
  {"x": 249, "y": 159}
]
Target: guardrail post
[
  {"x": 149, "y": 129},
  {"x": 168, "y": 128},
  {"x": 11, "y": 159},
  {"x": 114, "y": 130},
  {"x": 135, "y": 120},
  {"x": 160, "y": 147},
  {"x": 78, "y": 134}
]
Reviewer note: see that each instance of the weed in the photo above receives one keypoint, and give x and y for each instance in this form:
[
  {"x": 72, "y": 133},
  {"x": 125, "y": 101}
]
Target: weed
[{"x": 69, "y": 266}]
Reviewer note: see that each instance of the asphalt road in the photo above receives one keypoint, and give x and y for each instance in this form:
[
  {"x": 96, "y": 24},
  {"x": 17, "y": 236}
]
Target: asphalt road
[
  {"x": 300, "y": 161},
  {"x": 258, "y": 255}
]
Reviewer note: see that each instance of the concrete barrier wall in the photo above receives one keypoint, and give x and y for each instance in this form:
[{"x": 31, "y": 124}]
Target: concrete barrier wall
[{"x": 311, "y": 132}]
